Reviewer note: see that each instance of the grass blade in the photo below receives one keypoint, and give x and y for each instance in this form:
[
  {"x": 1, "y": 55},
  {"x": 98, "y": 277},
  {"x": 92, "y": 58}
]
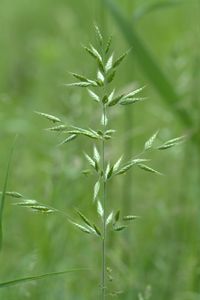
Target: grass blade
[
  {"x": 37, "y": 277},
  {"x": 3, "y": 195},
  {"x": 148, "y": 64},
  {"x": 150, "y": 7},
  {"x": 48, "y": 117}
]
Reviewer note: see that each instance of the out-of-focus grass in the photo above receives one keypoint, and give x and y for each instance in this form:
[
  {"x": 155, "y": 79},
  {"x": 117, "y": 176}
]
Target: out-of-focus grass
[{"x": 40, "y": 42}]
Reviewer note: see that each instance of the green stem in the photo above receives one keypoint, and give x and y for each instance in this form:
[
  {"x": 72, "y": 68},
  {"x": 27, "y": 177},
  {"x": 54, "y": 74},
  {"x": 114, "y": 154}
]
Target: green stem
[{"x": 104, "y": 216}]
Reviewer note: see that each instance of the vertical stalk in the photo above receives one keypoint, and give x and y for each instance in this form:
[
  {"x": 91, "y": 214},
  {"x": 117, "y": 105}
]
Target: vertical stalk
[{"x": 104, "y": 209}]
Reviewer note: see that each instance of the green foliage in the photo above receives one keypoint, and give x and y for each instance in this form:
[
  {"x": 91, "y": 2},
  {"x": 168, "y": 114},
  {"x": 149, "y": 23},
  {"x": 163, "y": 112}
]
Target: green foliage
[
  {"x": 147, "y": 8},
  {"x": 148, "y": 63},
  {"x": 84, "y": 218},
  {"x": 96, "y": 190},
  {"x": 69, "y": 139},
  {"x": 93, "y": 95},
  {"x": 100, "y": 209},
  {"x": 148, "y": 169},
  {"x": 129, "y": 165},
  {"x": 130, "y": 218},
  {"x": 104, "y": 96},
  {"x": 12, "y": 194},
  {"x": 4, "y": 193},
  {"x": 31, "y": 74},
  {"x": 49, "y": 117},
  {"x": 119, "y": 228},
  {"x": 20, "y": 281},
  {"x": 172, "y": 142},
  {"x": 35, "y": 206},
  {"x": 84, "y": 229},
  {"x": 149, "y": 143}
]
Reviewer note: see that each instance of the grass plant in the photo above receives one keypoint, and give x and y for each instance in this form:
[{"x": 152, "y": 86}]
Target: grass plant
[{"x": 105, "y": 96}]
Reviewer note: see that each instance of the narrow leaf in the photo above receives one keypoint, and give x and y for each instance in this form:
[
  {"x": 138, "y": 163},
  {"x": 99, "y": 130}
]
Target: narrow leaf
[
  {"x": 109, "y": 219},
  {"x": 179, "y": 139},
  {"x": 58, "y": 128},
  {"x": 148, "y": 169},
  {"x": 99, "y": 35},
  {"x": 110, "y": 131},
  {"x": 85, "y": 133},
  {"x": 84, "y": 218},
  {"x": 117, "y": 164},
  {"x": 93, "y": 95},
  {"x": 96, "y": 154},
  {"x": 49, "y": 117},
  {"x": 82, "y": 84},
  {"x": 116, "y": 100},
  {"x": 131, "y": 100},
  {"x": 35, "y": 278},
  {"x": 125, "y": 168},
  {"x": 109, "y": 63},
  {"x": 108, "y": 45},
  {"x": 100, "y": 209},
  {"x": 13, "y": 194},
  {"x": 90, "y": 52},
  {"x": 68, "y": 139},
  {"x": 171, "y": 143},
  {"x": 96, "y": 190},
  {"x": 90, "y": 160},
  {"x": 89, "y": 133},
  {"x": 135, "y": 92},
  {"x": 36, "y": 206},
  {"x": 166, "y": 146},
  {"x": 40, "y": 208},
  {"x": 109, "y": 172},
  {"x": 139, "y": 160},
  {"x": 130, "y": 218},
  {"x": 100, "y": 76},
  {"x": 81, "y": 227},
  {"x": 96, "y": 53},
  {"x": 119, "y": 228},
  {"x": 117, "y": 215},
  {"x": 111, "y": 76},
  {"x": 149, "y": 143},
  {"x": 97, "y": 230},
  {"x": 26, "y": 203},
  {"x": 120, "y": 59},
  {"x": 130, "y": 164},
  {"x": 92, "y": 230},
  {"x": 3, "y": 195},
  {"x": 81, "y": 77},
  {"x": 110, "y": 97}
]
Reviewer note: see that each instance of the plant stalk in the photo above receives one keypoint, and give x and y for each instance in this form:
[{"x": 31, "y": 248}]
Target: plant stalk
[{"x": 103, "y": 284}]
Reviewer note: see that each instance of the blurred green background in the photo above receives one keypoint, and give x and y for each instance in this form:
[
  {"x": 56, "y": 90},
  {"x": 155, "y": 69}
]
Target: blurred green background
[{"x": 40, "y": 44}]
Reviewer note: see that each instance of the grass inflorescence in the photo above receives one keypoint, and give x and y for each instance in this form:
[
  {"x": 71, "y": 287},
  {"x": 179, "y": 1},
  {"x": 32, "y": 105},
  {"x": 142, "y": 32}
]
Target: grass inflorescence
[{"x": 100, "y": 90}]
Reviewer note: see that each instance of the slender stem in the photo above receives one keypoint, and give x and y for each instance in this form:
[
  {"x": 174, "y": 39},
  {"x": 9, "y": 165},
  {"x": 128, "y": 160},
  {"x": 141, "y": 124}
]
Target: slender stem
[{"x": 104, "y": 208}]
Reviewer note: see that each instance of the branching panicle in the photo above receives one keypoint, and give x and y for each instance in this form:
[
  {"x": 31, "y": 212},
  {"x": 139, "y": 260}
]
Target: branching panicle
[{"x": 106, "y": 97}]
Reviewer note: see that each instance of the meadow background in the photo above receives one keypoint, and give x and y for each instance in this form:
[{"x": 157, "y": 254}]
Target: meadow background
[{"x": 40, "y": 43}]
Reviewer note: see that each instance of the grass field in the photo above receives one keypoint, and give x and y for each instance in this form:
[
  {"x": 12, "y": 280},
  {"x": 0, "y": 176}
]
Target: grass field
[{"x": 41, "y": 43}]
